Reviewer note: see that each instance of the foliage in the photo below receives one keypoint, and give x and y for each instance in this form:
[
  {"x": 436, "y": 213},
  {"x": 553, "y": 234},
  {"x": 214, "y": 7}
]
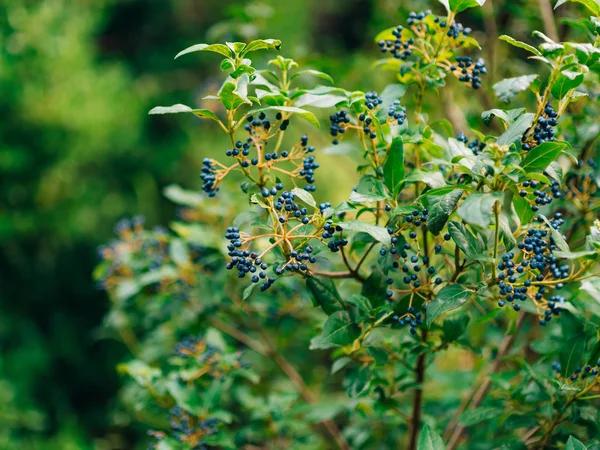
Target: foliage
[{"x": 486, "y": 248}]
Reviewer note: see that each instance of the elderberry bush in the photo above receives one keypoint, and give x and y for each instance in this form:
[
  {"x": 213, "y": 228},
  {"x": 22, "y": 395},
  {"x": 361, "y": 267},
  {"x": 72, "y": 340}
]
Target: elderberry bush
[{"x": 449, "y": 301}]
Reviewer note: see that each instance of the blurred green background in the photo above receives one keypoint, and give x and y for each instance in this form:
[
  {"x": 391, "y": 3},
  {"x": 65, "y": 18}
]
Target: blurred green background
[{"x": 78, "y": 152}]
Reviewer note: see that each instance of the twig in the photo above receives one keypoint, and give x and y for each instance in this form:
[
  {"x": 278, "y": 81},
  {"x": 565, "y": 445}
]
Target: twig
[
  {"x": 417, "y": 407},
  {"x": 548, "y": 19}
]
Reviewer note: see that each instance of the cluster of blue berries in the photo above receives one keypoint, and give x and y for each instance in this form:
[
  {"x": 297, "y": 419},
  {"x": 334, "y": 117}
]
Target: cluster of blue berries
[
  {"x": 298, "y": 262},
  {"x": 398, "y": 48},
  {"x": 475, "y": 146},
  {"x": 411, "y": 318},
  {"x": 543, "y": 130},
  {"x": 288, "y": 209},
  {"x": 583, "y": 183},
  {"x": 367, "y": 122},
  {"x": 455, "y": 30},
  {"x": 469, "y": 72},
  {"x": 323, "y": 206},
  {"x": 208, "y": 177},
  {"x": 255, "y": 124},
  {"x": 309, "y": 165},
  {"x": 412, "y": 266},
  {"x": 397, "y": 113},
  {"x": 246, "y": 262},
  {"x": 339, "y": 122},
  {"x": 522, "y": 273},
  {"x": 415, "y": 18},
  {"x": 191, "y": 430},
  {"x": 372, "y": 100},
  {"x": 335, "y": 242},
  {"x": 582, "y": 373},
  {"x": 541, "y": 197}
]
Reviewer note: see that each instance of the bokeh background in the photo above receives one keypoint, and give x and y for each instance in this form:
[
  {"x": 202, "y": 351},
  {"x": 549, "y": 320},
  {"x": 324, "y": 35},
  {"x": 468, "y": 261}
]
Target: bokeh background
[{"x": 78, "y": 152}]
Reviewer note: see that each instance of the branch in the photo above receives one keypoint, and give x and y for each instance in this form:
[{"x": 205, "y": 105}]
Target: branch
[
  {"x": 454, "y": 430},
  {"x": 417, "y": 408}
]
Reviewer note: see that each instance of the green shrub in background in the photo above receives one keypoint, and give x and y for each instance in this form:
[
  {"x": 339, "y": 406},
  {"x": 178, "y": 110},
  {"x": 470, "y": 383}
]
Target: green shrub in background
[{"x": 449, "y": 301}]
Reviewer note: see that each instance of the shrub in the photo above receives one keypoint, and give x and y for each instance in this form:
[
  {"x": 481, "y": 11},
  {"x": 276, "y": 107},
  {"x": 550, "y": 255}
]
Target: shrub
[{"x": 472, "y": 248}]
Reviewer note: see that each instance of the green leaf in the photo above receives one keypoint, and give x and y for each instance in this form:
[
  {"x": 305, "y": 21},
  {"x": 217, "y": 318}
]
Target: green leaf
[
  {"x": 313, "y": 73},
  {"x": 463, "y": 238},
  {"x": 339, "y": 330},
  {"x": 431, "y": 179},
  {"x": 440, "y": 208},
  {"x": 572, "y": 352},
  {"x": 565, "y": 82},
  {"x": 393, "y": 170},
  {"x": 457, "y": 6},
  {"x": 378, "y": 233},
  {"x": 507, "y": 89},
  {"x": 453, "y": 329},
  {"x": 430, "y": 440},
  {"x": 519, "y": 44},
  {"x": 448, "y": 299},
  {"x": 516, "y": 130},
  {"x": 477, "y": 208},
  {"x": 360, "y": 302},
  {"x": 179, "y": 108},
  {"x": 324, "y": 293},
  {"x": 477, "y": 415},
  {"x": 557, "y": 237},
  {"x": 178, "y": 252},
  {"x": 508, "y": 117},
  {"x": 380, "y": 355},
  {"x": 216, "y": 48},
  {"x": 261, "y": 44},
  {"x": 182, "y": 196},
  {"x": 305, "y": 196},
  {"x": 574, "y": 444},
  {"x": 592, "y": 5},
  {"x": 306, "y": 115},
  {"x": 357, "y": 197}
]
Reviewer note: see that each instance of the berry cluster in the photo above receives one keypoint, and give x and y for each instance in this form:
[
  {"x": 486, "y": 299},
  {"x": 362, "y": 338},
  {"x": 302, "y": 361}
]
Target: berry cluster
[
  {"x": 208, "y": 177},
  {"x": 582, "y": 373},
  {"x": 297, "y": 262},
  {"x": 416, "y": 18},
  {"x": 339, "y": 122},
  {"x": 366, "y": 124},
  {"x": 188, "y": 429},
  {"x": 287, "y": 208},
  {"x": 543, "y": 130},
  {"x": 214, "y": 363},
  {"x": 455, "y": 30},
  {"x": 411, "y": 318},
  {"x": 372, "y": 100},
  {"x": 541, "y": 197},
  {"x": 398, "y": 48},
  {"x": 475, "y": 146},
  {"x": 533, "y": 271},
  {"x": 335, "y": 243},
  {"x": 397, "y": 113},
  {"x": 245, "y": 261},
  {"x": 469, "y": 72}
]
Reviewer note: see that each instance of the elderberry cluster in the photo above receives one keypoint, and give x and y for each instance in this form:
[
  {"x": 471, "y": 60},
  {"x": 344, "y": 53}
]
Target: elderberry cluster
[
  {"x": 397, "y": 113},
  {"x": 335, "y": 243},
  {"x": 398, "y": 48},
  {"x": 245, "y": 261},
  {"x": 418, "y": 270},
  {"x": 287, "y": 208},
  {"x": 543, "y": 130},
  {"x": 475, "y": 146},
  {"x": 189, "y": 429},
  {"x": 456, "y": 29},
  {"x": 372, "y": 100},
  {"x": 584, "y": 372},
  {"x": 367, "y": 122},
  {"x": 297, "y": 262},
  {"x": 541, "y": 197},
  {"x": 309, "y": 166},
  {"x": 208, "y": 177},
  {"x": 339, "y": 121},
  {"x": 415, "y": 18},
  {"x": 411, "y": 318},
  {"x": 469, "y": 72},
  {"x": 522, "y": 274}
]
